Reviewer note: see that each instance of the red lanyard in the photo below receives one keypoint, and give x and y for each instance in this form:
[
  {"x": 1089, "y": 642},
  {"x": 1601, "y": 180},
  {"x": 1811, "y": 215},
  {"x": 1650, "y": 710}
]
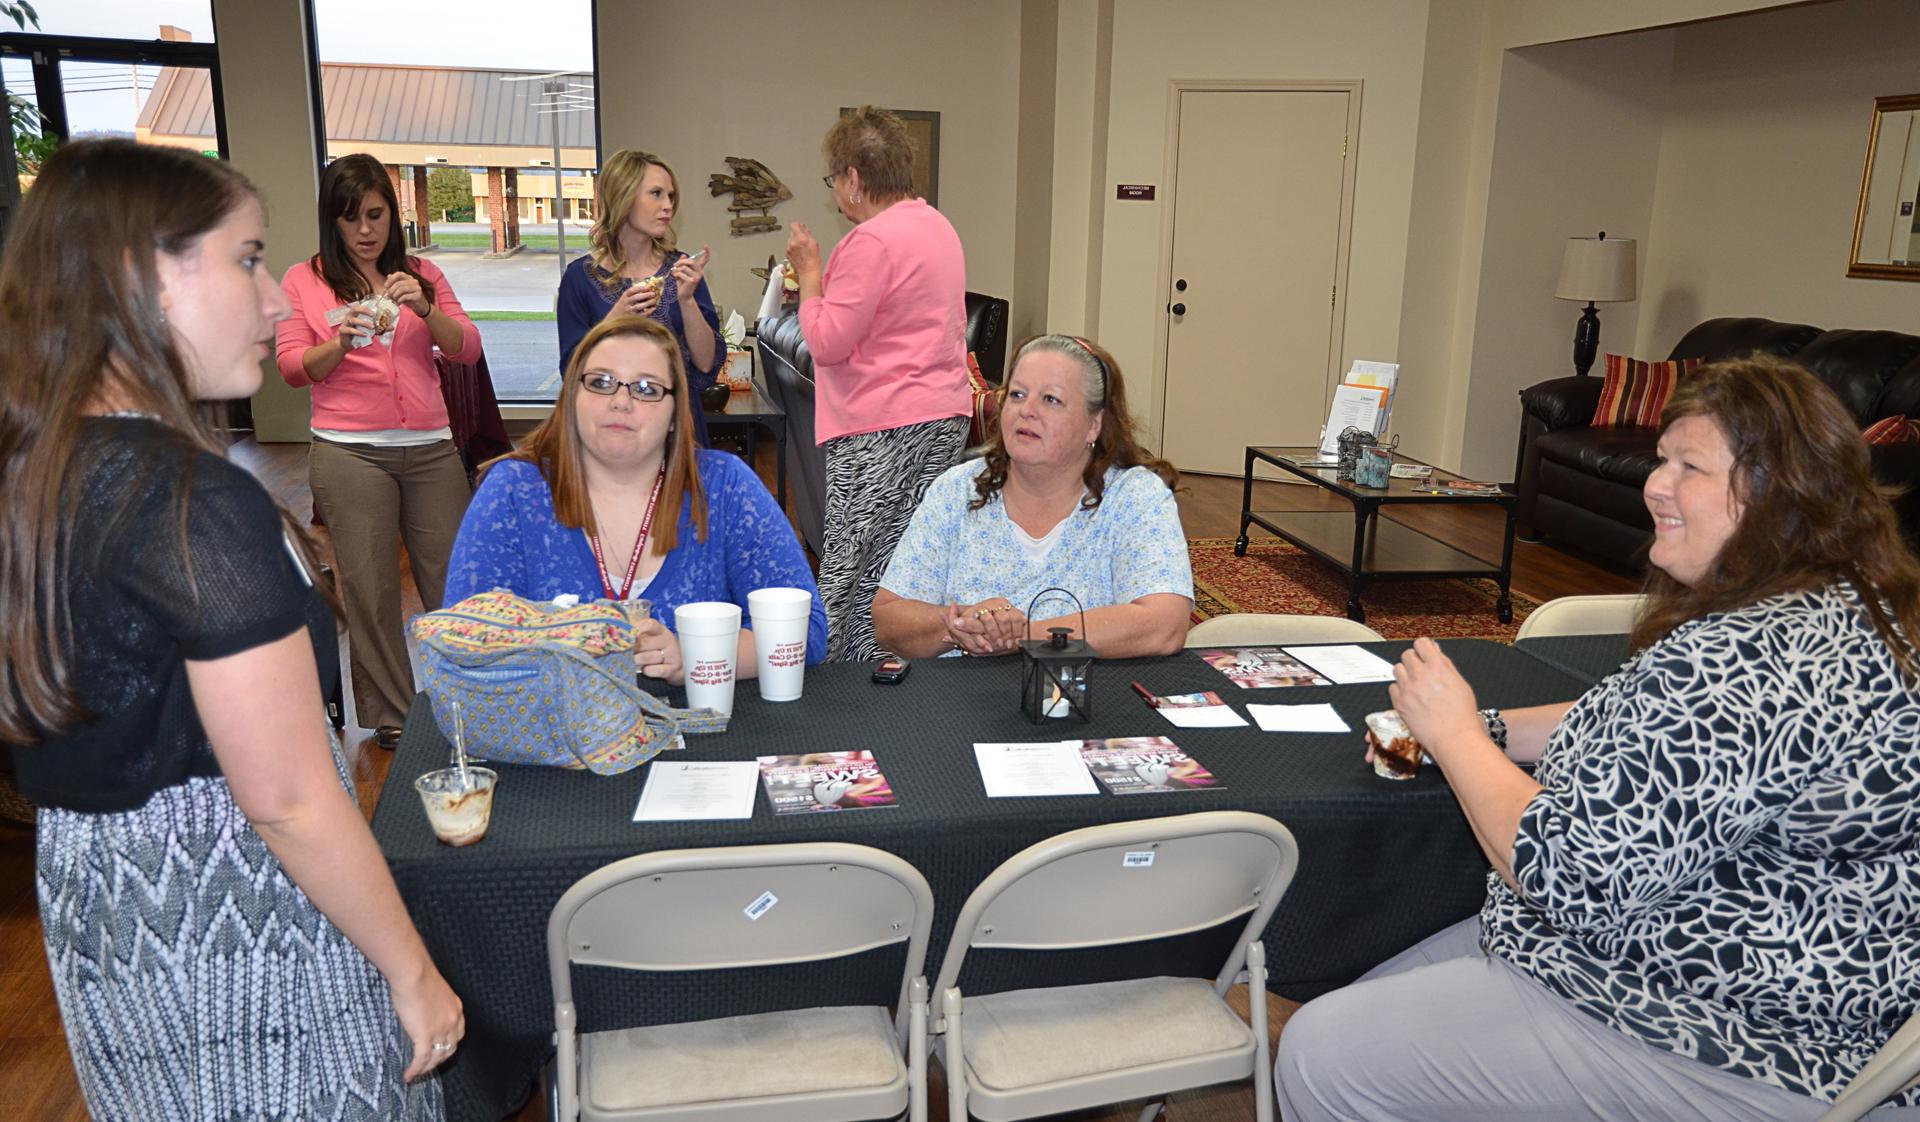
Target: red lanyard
[{"x": 639, "y": 546}]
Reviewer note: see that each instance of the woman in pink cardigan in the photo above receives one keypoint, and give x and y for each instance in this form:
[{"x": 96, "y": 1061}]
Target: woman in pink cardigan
[
  {"x": 886, "y": 326},
  {"x": 366, "y": 319}
]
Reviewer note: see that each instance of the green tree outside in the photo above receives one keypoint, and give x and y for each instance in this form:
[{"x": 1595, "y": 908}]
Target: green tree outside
[
  {"x": 450, "y": 195},
  {"x": 30, "y": 145}
]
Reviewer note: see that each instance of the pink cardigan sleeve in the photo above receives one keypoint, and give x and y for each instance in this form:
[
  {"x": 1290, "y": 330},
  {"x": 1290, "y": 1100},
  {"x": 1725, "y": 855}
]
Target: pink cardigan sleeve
[
  {"x": 448, "y": 303},
  {"x": 838, "y": 320},
  {"x": 295, "y": 335}
]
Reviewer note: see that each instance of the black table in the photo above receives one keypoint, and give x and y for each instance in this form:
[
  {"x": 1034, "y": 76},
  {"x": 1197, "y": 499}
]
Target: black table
[
  {"x": 1365, "y": 546},
  {"x": 1382, "y": 863},
  {"x": 753, "y": 407},
  {"x": 1586, "y": 657}
]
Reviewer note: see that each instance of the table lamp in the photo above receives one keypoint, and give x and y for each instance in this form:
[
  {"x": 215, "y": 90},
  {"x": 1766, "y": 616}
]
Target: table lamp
[{"x": 1597, "y": 270}]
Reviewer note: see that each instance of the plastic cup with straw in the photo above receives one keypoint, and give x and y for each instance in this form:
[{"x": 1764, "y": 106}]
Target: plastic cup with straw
[{"x": 458, "y": 799}]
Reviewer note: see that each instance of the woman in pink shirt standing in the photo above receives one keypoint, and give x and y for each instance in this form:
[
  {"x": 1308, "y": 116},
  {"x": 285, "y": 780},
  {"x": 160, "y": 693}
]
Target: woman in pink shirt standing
[
  {"x": 366, "y": 319},
  {"x": 886, "y": 326}
]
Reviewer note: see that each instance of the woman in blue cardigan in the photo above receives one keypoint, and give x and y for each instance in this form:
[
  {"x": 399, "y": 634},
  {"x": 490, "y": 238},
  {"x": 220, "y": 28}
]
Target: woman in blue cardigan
[
  {"x": 634, "y": 269},
  {"x": 573, "y": 510}
]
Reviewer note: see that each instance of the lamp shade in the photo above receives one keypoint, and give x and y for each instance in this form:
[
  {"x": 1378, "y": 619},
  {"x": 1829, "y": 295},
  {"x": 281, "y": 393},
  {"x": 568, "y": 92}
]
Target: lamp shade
[{"x": 1599, "y": 269}]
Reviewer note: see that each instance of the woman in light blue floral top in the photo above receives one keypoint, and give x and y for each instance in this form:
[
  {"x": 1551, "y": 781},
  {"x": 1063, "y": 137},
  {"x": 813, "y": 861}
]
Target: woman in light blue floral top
[{"x": 1064, "y": 497}]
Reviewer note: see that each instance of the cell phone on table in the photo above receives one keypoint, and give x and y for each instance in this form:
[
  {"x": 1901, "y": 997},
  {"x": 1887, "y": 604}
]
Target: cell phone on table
[{"x": 891, "y": 671}]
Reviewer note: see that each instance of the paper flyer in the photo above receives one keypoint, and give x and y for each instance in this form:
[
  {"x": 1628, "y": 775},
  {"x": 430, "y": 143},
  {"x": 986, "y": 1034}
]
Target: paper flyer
[{"x": 824, "y": 781}]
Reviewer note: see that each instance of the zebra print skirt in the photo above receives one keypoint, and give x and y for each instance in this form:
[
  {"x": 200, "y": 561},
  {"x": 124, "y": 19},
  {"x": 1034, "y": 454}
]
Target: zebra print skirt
[
  {"x": 197, "y": 982},
  {"x": 875, "y": 481}
]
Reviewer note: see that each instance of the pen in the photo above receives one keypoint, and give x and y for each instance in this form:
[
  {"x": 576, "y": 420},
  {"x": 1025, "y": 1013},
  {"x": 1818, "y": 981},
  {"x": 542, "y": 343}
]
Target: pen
[{"x": 1145, "y": 695}]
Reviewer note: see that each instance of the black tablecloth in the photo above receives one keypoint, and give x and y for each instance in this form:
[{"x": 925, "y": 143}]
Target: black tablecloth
[
  {"x": 1382, "y": 863},
  {"x": 1586, "y": 657}
]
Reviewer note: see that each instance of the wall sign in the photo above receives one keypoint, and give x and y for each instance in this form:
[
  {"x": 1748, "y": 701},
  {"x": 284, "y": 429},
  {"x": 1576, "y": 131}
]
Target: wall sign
[{"x": 1141, "y": 191}]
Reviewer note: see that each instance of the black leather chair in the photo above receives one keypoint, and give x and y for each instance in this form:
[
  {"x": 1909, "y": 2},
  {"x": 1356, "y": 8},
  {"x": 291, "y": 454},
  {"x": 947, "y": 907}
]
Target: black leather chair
[
  {"x": 1580, "y": 486},
  {"x": 788, "y": 369}
]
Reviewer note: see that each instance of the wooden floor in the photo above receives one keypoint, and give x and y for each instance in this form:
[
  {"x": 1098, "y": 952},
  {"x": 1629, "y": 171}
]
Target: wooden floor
[{"x": 36, "y": 1076}]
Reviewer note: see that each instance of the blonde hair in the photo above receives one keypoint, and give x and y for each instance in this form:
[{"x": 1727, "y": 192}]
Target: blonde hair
[{"x": 613, "y": 191}]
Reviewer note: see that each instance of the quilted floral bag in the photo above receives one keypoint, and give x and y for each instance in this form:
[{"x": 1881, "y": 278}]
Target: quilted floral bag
[{"x": 546, "y": 684}]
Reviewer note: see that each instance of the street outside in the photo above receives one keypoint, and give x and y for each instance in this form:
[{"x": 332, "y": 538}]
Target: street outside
[{"x": 523, "y": 355}]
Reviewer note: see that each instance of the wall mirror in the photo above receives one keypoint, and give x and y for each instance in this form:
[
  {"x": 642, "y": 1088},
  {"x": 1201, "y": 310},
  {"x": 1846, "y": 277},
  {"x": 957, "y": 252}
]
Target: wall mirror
[{"x": 1886, "y": 229}]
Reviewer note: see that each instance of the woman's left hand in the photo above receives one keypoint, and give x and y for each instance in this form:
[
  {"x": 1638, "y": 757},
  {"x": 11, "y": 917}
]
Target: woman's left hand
[
  {"x": 405, "y": 291},
  {"x": 656, "y": 652},
  {"x": 1432, "y": 697},
  {"x": 688, "y": 272}
]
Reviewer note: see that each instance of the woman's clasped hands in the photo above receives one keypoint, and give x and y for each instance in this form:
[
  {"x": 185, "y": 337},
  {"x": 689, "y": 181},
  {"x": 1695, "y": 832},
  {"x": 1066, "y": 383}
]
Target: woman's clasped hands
[
  {"x": 656, "y": 652},
  {"x": 991, "y": 627}
]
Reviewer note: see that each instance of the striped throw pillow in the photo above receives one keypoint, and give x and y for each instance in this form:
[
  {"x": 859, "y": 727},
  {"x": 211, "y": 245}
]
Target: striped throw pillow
[
  {"x": 1892, "y": 430},
  {"x": 1636, "y": 391}
]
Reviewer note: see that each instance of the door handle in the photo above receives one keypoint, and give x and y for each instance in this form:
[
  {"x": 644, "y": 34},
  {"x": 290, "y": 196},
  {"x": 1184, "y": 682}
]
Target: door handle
[{"x": 1177, "y": 309}]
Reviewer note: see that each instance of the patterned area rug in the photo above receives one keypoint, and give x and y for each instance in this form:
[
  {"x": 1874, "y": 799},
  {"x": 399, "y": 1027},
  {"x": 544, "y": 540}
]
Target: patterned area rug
[{"x": 1276, "y": 577}]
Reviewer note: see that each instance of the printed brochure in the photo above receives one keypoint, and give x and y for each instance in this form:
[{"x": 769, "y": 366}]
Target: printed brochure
[
  {"x": 1145, "y": 765},
  {"x": 1254, "y": 668},
  {"x": 822, "y": 781}
]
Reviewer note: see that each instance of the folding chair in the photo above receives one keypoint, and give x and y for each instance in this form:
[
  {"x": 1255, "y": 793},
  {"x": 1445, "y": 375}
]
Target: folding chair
[
  {"x": 1030, "y": 1052},
  {"x": 723, "y": 908},
  {"x": 1247, "y": 628},
  {"x": 1582, "y": 615},
  {"x": 1894, "y": 1068}
]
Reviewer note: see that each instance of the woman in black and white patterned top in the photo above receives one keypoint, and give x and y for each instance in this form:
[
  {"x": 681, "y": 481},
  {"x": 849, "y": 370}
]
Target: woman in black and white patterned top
[{"x": 1705, "y": 902}]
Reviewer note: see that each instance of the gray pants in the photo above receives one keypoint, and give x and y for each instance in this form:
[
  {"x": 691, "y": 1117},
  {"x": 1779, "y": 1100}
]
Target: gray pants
[{"x": 1443, "y": 1032}]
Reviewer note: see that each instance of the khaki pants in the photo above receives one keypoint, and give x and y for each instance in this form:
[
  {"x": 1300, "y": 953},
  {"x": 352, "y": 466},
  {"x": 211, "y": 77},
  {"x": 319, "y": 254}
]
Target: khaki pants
[{"x": 372, "y": 497}]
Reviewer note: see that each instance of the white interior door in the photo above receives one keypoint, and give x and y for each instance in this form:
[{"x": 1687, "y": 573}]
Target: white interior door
[{"x": 1251, "y": 304}]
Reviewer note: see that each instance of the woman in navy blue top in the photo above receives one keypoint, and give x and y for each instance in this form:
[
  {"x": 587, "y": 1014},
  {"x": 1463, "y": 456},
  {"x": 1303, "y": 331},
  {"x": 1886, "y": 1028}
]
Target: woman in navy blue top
[
  {"x": 608, "y": 500},
  {"x": 634, "y": 269}
]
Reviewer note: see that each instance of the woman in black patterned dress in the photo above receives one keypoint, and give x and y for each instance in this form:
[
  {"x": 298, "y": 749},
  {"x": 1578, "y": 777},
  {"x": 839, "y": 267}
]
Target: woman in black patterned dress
[
  {"x": 224, "y": 938},
  {"x": 1705, "y": 902}
]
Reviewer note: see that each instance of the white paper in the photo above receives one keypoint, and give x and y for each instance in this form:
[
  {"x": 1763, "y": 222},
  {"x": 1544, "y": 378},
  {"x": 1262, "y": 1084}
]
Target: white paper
[
  {"x": 1202, "y": 716},
  {"x": 770, "y": 298},
  {"x": 735, "y": 328},
  {"x": 680, "y": 791},
  {"x": 1049, "y": 767},
  {"x": 1386, "y": 374},
  {"x": 1353, "y": 407},
  {"x": 1344, "y": 664},
  {"x": 1298, "y": 718}
]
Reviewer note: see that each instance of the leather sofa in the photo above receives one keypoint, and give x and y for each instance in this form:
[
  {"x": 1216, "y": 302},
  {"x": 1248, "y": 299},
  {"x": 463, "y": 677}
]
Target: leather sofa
[
  {"x": 787, "y": 369},
  {"x": 1580, "y": 486}
]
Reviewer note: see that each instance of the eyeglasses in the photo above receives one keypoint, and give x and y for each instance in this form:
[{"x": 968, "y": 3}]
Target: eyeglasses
[
  {"x": 828, "y": 179},
  {"x": 640, "y": 389}
]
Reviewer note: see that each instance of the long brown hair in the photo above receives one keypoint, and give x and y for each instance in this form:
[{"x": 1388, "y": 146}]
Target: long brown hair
[
  {"x": 342, "y": 187},
  {"x": 555, "y": 447},
  {"x": 80, "y": 311},
  {"x": 1811, "y": 511},
  {"x": 614, "y": 187},
  {"x": 1105, "y": 390}
]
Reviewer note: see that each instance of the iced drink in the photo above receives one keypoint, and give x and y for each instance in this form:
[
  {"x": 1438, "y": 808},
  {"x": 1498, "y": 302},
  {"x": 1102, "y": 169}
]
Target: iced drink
[
  {"x": 1396, "y": 754},
  {"x": 458, "y": 810}
]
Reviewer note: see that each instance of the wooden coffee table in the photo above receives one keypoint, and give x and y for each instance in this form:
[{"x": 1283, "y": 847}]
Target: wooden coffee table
[{"x": 1365, "y": 546}]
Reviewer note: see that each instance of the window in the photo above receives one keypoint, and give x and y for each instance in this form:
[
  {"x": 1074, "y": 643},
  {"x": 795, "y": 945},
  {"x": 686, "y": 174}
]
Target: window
[
  {"x": 144, "y": 69},
  {"x": 472, "y": 115}
]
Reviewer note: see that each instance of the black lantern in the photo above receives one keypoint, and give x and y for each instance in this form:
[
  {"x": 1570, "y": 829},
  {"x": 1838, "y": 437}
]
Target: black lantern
[{"x": 1058, "y": 670}]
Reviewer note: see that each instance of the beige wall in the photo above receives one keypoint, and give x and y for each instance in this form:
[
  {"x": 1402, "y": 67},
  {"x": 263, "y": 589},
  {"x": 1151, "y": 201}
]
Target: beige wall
[
  {"x": 1760, "y": 170},
  {"x": 1576, "y": 151},
  {"x": 1379, "y": 42},
  {"x": 263, "y": 72},
  {"x": 682, "y": 80},
  {"x": 1527, "y": 22},
  {"x": 1083, "y": 66}
]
